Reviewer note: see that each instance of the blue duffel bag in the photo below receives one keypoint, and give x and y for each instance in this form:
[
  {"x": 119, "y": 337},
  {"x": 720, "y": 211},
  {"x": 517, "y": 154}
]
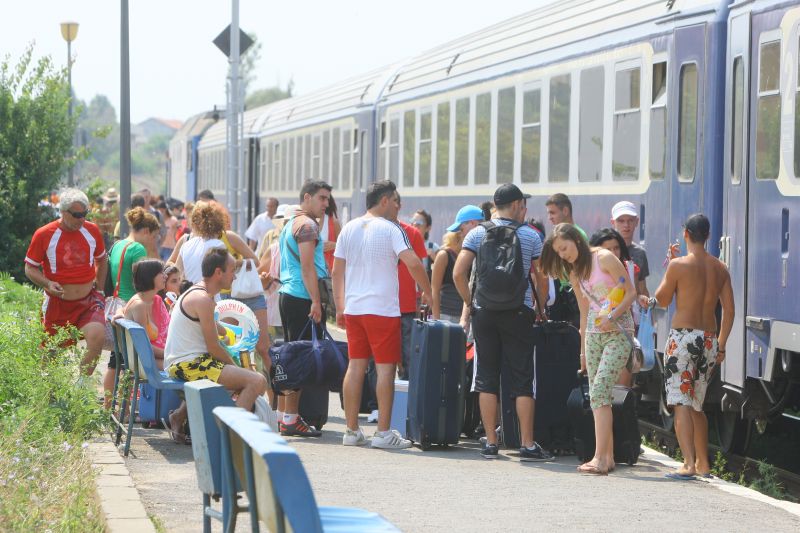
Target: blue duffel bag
[{"x": 301, "y": 364}]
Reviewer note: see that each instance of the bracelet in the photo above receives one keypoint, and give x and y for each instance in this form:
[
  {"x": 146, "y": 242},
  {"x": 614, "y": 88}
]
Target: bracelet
[{"x": 720, "y": 351}]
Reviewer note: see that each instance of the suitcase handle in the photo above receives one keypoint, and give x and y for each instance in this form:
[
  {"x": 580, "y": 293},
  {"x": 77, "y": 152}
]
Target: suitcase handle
[{"x": 424, "y": 312}]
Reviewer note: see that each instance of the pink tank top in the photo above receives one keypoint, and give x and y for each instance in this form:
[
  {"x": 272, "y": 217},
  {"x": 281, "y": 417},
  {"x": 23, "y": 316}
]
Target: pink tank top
[
  {"x": 599, "y": 283},
  {"x": 161, "y": 319}
]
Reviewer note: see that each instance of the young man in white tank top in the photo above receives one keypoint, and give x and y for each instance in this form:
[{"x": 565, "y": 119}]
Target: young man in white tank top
[{"x": 193, "y": 350}]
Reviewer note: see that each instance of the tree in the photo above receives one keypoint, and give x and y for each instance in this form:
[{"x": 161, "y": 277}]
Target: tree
[
  {"x": 98, "y": 136},
  {"x": 268, "y": 95},
  {"x": 35, "y": 138}
]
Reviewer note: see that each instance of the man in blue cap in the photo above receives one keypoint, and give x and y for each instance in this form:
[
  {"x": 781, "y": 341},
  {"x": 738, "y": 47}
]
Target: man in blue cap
[{"x": 467, "y": 218}]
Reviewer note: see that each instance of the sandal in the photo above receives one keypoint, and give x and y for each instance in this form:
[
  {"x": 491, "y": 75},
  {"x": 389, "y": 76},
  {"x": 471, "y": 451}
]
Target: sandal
[{"x": 176, "y": 436}]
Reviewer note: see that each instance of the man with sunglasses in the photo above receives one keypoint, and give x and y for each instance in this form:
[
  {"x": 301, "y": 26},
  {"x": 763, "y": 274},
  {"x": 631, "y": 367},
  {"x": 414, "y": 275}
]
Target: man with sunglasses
[{"x": 67, "y": 258}]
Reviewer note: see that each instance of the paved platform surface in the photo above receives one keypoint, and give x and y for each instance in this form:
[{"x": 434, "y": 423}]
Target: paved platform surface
[{"x": 456, "y": 490}]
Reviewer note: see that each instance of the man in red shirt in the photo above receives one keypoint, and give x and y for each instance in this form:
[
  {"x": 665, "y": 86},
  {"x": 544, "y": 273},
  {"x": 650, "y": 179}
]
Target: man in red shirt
[
  {"x": 408, "y": 293},
  {"x": 67, "y": 258}
]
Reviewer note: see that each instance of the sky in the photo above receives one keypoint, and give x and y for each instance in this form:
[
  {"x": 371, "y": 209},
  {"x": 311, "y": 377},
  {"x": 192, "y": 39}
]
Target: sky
[{"x": 176, "y": 71}]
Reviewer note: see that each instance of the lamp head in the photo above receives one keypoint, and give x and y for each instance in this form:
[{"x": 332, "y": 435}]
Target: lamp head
[{"x": 69, "y": 31}]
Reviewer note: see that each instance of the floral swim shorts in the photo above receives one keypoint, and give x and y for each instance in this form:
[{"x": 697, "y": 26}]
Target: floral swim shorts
[{"x": 689, "y": 361}]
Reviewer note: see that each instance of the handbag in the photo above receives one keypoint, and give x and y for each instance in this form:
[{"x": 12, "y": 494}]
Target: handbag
[
  {"x": 247, "y": 283},
  {"x": 636, "y": 357},
  {"x": 300, "y": 364},
  {"x": 113, "y": 304},
  {"x": 646, "y": 338}
]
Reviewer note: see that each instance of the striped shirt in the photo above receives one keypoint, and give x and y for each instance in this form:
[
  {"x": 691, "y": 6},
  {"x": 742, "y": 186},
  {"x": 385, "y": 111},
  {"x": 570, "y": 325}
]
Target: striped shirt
[
  {"x": 371, "y": 247},
  {"x": 529, "y": 240}
]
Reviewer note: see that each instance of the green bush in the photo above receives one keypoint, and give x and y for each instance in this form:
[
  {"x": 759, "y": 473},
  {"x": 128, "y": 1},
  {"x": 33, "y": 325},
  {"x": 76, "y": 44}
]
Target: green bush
[{"x": 46, "y": 414}]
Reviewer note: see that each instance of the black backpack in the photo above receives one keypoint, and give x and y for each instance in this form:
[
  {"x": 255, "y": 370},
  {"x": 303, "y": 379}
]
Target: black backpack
[{"x": 502, "y": 279}]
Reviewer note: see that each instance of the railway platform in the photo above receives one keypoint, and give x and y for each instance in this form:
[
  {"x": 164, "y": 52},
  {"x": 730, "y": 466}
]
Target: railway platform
[{"x": 456, "y": 490}]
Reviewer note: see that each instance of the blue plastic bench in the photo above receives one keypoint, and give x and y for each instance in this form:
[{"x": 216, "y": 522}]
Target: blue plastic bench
[
  {"x": 274, "y": 478},
  {"x": 202, "y": 396},
  {"x": 139, "y": 359}
]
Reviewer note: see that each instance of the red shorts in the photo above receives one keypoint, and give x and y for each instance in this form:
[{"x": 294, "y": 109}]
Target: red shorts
[
  {"x": 375, "y": 335},
  {"x": 57, "y": 313}
]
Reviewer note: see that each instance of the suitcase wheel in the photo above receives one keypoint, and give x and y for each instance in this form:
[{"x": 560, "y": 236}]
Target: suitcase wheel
[{"x": 425, "y": 445}]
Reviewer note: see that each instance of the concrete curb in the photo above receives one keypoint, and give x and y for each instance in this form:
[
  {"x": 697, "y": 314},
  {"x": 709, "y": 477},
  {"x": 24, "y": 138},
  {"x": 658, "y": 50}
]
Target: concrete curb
[
  {"x": 726, "y": 486},
  {"x": 119, "y": 499}
]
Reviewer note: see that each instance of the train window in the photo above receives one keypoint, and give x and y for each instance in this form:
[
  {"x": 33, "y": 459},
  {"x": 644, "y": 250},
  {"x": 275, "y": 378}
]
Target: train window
[
  {"x": 687, "y": 129},
  {"x": 560, "y": 92},
  {"x": 409, "y": 123},
  {"x": 335, "y": 151},
  {"x": 276, "y": 165},
  {"x": 443, "y": 144},
  {"x": 658, "y": 122},
  {"x": 326, "y": 157},
  {"x": 737, "y": 121},
  {"x": 462, "y": 142},
  {"x": 315, "y": 159},
  {"x": 290, "y": 181},
  {"x": 506, "y": 101},
  {"x": 768, "y": 121},
  {"x": 263, "y": 166},
  {"x": 627, "y": 125},
  {"x": 382, "y": 151},
  {"x": 797, "y": 123},
  {"x": 425, "y": 148},
  {"x": 531, "y": 135},
  {"x": 298, "y": 161},
  {"x": 394, "y": 148},
  {"x": 346, "y": 134},
  {"x": 483, "y": 137},
  {"x": 284, "y": 164},
  {"x": 307, "y": 158},
  {"x": 590, "y": 126}
]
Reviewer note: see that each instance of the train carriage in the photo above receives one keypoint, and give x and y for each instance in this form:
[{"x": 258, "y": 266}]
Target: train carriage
[{"x": 182, "y": 175}]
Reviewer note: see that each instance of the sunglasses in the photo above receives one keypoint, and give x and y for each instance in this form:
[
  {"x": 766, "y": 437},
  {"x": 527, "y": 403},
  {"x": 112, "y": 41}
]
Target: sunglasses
[{"x": 79, "y": 214}]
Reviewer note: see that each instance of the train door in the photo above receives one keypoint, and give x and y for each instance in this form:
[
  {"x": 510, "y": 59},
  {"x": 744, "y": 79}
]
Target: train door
[
  {"x": 688, "y": 71},
  {"x": 733, "y": 242}
]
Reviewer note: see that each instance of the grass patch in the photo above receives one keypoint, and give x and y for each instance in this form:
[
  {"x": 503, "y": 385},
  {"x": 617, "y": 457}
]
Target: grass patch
[{"x": 46, "y": 415}]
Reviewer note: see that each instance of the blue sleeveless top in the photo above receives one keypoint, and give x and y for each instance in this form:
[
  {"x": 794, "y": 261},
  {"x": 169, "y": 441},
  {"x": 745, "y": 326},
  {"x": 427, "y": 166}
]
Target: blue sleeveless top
[{"x": 291, "y": 272}]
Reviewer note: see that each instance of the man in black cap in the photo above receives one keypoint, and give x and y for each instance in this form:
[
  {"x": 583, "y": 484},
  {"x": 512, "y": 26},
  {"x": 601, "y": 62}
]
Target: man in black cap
[{"x": 507, "y": 251}]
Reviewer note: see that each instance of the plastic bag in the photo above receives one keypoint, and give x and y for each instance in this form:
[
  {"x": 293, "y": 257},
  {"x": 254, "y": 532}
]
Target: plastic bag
[{"x": 247, "y": 283}]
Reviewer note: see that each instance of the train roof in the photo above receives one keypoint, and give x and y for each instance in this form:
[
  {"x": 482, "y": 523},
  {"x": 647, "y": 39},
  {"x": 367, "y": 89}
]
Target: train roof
[
  {"x": 217, "y": 133},
  {"x": 195, "y": 125},
  {"x": 340, "y": 99},
  {"x": 547, "y": 34}
]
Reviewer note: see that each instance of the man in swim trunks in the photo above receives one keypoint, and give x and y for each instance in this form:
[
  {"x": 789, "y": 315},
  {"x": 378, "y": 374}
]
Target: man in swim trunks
[
  {"x": 67, "y": 258},
  {"x": 694, "y": 349},
  {"x": 193, "y": 350}
]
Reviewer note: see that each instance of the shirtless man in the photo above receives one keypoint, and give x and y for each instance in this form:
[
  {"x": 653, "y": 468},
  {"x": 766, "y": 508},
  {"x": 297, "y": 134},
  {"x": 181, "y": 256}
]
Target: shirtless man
[
  {"x": 193, "y": 350},
  {"x": 67, "y": 258},
  {"x": 694, "y": 349}
]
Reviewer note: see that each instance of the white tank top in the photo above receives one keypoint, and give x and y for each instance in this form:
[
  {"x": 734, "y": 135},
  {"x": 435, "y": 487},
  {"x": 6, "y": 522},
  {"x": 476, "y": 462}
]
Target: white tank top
[
  {"x": 184, "y": 336},
  {"x": 192, "y": 253},
  {"x": 324, "y": 229}
]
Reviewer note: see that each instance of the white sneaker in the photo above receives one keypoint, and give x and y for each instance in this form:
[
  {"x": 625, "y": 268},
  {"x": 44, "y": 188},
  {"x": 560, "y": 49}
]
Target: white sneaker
[
  {"x": 390, "y": 440},
  {"x": 372, "y": 417},
  {"x": 354, "y": 438}
]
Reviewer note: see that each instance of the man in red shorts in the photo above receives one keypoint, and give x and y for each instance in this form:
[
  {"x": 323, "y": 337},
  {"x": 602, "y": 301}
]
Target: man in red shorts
[
  {"x": 67, "y": 258},
  {"x": 365, "y": 288}
]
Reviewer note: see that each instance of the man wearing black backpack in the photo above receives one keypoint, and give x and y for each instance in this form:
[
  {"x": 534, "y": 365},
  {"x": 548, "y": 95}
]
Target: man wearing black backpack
[{"x": 505, "y": 249}]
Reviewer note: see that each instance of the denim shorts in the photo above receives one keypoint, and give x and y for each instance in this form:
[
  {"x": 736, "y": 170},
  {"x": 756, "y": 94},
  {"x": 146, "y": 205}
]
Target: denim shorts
[{"x": 256, "y": 303}]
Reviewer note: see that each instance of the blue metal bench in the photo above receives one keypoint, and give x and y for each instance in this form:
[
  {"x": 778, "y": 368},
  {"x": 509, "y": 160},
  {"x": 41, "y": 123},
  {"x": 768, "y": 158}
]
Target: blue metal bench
[
  {"x": 202, "y": 397},
  {"x": 275, "y": 480},
  {"x": 139, "y": 359}
]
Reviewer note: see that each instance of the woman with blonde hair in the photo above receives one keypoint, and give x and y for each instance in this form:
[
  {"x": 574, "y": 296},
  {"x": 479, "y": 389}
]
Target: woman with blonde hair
[
  {"x": 447, "y": 304},
  {"x": 593, "y": 273}
]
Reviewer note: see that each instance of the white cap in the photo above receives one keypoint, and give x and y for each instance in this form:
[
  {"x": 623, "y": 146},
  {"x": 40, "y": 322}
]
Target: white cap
[
  {"x": 280, "y": 212},
  {"x": 623, "y": 208}
]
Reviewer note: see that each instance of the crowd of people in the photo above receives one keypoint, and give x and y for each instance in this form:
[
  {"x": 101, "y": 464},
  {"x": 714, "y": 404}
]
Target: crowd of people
[{"x": 373, "y": 274}]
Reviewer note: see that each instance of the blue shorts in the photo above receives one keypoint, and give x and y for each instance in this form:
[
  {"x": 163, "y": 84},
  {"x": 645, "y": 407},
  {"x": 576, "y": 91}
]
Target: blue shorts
[{"x": 256, "y": 303}]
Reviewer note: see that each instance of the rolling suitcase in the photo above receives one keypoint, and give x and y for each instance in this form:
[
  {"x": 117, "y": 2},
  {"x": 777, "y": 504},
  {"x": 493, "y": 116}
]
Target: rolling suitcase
[
  {"x": 436, "y": 383},
  {"x": 627, "y": 439},
  {"x": 557, "y": 362},
  {"x": 155, "y": 405}
]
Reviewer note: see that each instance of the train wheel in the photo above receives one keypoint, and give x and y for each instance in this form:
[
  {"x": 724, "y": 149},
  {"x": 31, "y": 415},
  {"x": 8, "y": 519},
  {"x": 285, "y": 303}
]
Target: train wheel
[{"x": 733, "y": 433}]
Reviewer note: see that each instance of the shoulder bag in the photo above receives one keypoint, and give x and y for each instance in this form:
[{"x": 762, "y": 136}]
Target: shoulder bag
[{"x": 114, "y": 303}]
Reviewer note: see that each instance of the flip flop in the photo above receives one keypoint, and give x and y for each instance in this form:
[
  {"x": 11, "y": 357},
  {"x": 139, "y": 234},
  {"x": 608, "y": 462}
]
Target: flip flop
[
  {"x": 176, "y": 436},
  {"x": 680, "y": 477},
  {"x": 707, "y": 475}
]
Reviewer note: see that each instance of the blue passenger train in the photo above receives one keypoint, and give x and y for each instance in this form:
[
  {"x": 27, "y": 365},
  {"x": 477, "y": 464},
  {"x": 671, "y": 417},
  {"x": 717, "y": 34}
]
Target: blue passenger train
[{"x": 680, "y": 106}]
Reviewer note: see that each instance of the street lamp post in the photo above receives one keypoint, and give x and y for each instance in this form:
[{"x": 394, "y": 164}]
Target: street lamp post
[{"x": 69, "y": 31}]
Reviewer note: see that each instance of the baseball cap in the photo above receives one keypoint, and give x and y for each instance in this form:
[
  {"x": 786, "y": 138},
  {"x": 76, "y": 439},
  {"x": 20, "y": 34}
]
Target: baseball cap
[
  {"x": 280, "y": 212},
  {"x": 465, "y": 214},
  {"x": 623, "y": 208},
  {"x": 507, "y": 193}
]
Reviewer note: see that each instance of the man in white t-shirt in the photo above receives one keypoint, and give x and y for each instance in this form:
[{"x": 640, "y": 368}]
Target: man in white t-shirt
[
  {"x": 365, "y": 287},
  {"x": 261, "y": 225}
]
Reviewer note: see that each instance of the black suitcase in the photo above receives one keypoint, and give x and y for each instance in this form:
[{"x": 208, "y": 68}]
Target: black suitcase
[
  {"x": 436, "y": 383},
  {"x": 627, "y": 439},
  {"x": 314, "y": 406},
  {"x": 558, "y": 347},
  {"x": 471, "y": 428}
]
